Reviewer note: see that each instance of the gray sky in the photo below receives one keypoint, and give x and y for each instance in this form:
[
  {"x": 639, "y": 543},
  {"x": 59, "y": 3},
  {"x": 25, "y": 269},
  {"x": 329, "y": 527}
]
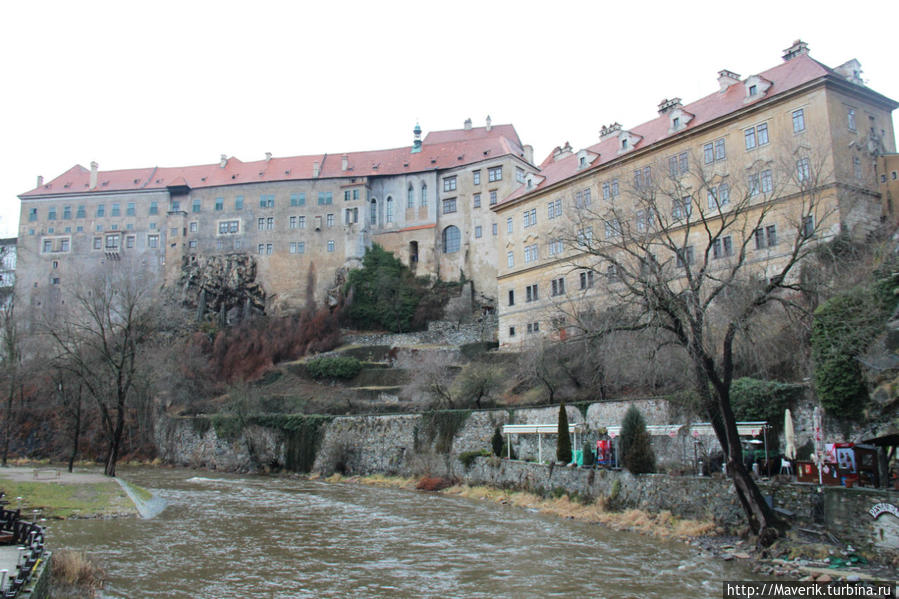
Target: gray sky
[{"x": 137, "y": 84}]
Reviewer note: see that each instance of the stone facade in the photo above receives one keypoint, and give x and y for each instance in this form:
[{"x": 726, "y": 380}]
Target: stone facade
[{"x": 304, "y": 220}]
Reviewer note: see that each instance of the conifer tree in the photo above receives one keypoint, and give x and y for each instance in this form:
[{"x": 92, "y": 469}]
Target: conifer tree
[
  {"x": 634, "y": 445},
  {"x": 497, "y": 442},
  {"x": 563, "y": 448}
]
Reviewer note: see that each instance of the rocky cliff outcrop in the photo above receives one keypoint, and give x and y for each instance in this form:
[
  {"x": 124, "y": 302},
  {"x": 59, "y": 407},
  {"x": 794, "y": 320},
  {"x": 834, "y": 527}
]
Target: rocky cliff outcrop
[{"x": 222, "y": 287}]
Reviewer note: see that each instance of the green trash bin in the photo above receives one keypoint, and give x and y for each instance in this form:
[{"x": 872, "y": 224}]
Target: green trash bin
[{"x": 577, "y": 456}]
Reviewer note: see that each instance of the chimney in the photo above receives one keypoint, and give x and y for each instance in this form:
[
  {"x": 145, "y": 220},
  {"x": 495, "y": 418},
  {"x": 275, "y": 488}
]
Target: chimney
[
  {"x": 563, "y": 152},
  {"x": 608, "y": 131},
  {"x": 489, "y": 121},
  {"x": 528, "y": 153},
  {"x": 316, "y": 169},
  {"x": 798, "y": 47},
  {"x": 94, "y": 167},
  {"x": 344, "y": 162},
  {"x": 268, "y": 156},
  {"x": 467, "y": 124},
  {"x": 40, "y": 180},
  {"x": 223, "y": 161},
  {"x": 667, "y": 105},
  {"x": 726, "y": 79}
]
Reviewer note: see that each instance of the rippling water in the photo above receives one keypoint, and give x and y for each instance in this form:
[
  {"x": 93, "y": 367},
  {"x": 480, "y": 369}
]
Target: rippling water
[{"x": 250, "y": 536}]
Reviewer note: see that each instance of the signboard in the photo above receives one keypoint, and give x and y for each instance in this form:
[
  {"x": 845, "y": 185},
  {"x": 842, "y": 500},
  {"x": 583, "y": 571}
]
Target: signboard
[{"x": 883, "y": 508}]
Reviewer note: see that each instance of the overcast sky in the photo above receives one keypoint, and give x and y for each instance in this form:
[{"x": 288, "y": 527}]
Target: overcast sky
[{"x": 139, "y": 84}]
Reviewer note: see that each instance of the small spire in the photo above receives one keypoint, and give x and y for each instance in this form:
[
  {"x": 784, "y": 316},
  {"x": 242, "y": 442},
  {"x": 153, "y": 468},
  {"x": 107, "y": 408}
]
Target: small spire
[{"x": 416, "y": 143}]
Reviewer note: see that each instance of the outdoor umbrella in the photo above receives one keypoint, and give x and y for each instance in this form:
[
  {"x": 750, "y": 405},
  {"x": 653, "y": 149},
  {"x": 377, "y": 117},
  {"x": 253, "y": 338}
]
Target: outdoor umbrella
[{"x": 789, "y": 436}]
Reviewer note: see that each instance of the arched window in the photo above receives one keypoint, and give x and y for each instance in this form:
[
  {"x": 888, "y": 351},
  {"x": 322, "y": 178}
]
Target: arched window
[
  {"x": 410, "y": 202},
  {"x": 451, "y": 239},
  {"x": 373, "y": 214},
  {"x": 388, "y": 217},
  {"x": 424, "y": 195}
]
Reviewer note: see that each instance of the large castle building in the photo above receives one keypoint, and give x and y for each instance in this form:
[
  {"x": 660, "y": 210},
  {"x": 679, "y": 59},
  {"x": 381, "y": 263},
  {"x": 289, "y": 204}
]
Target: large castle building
[
  {"x": 472, "y": 203},
  {"x": 802, "y": 149},
  {"x": 290, "y": 227}
]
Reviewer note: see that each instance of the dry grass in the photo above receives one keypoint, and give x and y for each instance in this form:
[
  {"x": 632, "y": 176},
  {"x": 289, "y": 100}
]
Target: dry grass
[{"x": 76, "y": 574}]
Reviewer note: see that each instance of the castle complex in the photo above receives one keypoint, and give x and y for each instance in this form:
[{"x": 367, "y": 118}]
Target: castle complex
[{"x": 472, "y": 202}]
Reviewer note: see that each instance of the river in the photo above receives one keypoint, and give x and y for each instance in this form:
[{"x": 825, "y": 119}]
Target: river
[{"x": 225, "y": 536}]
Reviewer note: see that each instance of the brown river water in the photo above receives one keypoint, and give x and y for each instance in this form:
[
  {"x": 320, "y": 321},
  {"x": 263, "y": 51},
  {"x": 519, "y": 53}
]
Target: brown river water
[{"x": 223, "y": 536}]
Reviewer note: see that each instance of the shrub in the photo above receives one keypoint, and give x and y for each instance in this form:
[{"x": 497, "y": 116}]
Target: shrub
[
  {"x": 756, "y": 399},
  {"x": 433, "y": 483},
  {"x": 333, "y": 367},
  {"x": 468, "y": 457},
  {"x": 563, "y": 448},
  {"x": 634, "y": 445},
  {"x": 75, "y": 569},
  {"x": 497, "y": 442},
  {"x": 384, "y": 292}
]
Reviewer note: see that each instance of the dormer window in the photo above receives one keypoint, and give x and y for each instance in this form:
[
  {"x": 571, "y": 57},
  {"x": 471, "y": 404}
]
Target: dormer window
[
  {"x": 756, "y": 86},
  {"x": 624, "y": 144},
  {"x": 628, "y": 141},
  {"x": 675, "y": 122},
  {"x": 582, "y": 162}
]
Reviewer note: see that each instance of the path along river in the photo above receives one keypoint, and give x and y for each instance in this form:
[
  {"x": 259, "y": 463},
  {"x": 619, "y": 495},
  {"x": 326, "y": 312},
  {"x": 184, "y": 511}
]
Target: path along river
[{"x": 227, "y": 536}]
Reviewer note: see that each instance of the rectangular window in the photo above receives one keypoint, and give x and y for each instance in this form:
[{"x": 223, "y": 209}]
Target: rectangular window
[
  {"x": 767, "y": 182},
  {"x": 229, "y": 227},
  {"x": 493, "y": 198},
  {"x": 765, "y": 237},
  {"x": 48, "y": 246},
  {"x": 762, "y": 134},
  {"x": 682, "y": 208},
  {"x": 708, "y": 153},
  {"x": 719, "y": 196},
  {"x": 558, "y": 286},
  {"x": 586, "y": 278},
  {"x": 555, "y": 247},
  {"x": 519, "y": 175},
  {"x": 260, "y": 224},
  {"x": 685, "y": 256},
  {"x": 478, "y": 232},
  {"x": 129, "y": 242},
  {"x": 803, "y": 172},
  {"x": 509, "y": 225},
  {"x": 32, "y": 214},
  {"x": 722, "y": 247},
  {"x": 720, "y": 150},
  {"x": 113, "y": 242},
  {"x": 511, "y": 331},
  {"x": 330, "y": 245},
  {"x": 682, "y": 163},
  {"x": 154, "y": 208},
  {"x": 449, "y": 183},
  {"x": 346, "y": 197},
  {"x": 511, "y": 297},
  {"x": 530, "y": 217},
  {"x": 298, "y": 199},
  {"x": 410, "y": 197},
  {"x": 533, "y": 327},
  {"x": 292, "y": 223},
  {"x": 195, "y": 207},
  {"x": 292, "y": 247},
  {"x": 531, "y": 294},
  {"x": 325, "y": 198},
  {"x": 261, "y": 249},
  {"x": 219, "y": 204},
  {"x": 424, "y": 196},
  {"x": 152, "y": 241},
  {"x": 266, "y": 201},
  {"x": 850, "y": 116},
  {"x": 494, "y": 174},
  {"x": 449, "y": 206},
  {"x": 238, "y": 203},
  {"x": 857, "y": 167},
  {"x": 98, "y": 243},
  {"x": 753, "y": 184},
  {"x": 798, "y": 120},
  {"x": 510, "y": 259},
  {"x": 606, "y": 191},
  {"x": 585, "y": 236},
  {"x": 192, "y": 243},
  {"x": 355, "y": 195},
  {"x": 476, "y": 200},
  {"x": 678, "y": 164},
  {"x": 495, "y": 228},
  {"x": 193, "y": 227},
  {"x": 176, "y": 206},
  {"x": 613, "y": 228},
  {"x": 270, "y": 223},
  {"x": 749, "y": 138},
  {"x": 67, "y": 212},
  {"x": 301, "y": 222},
  {"x": 117, "y": 209},
  {"x": 476, "y": 177},
  {"x": 131, "y": 209},
  {"x": 51, "y": 213},
  {"x": 808, "y": 226},
  {"x": 554, "y": 209},
  {"x": 268, "y": 249},
  {"x": 301, "y": 247},
  {"x": 331, "y": 220},
  {"x": 101, "y": 210},
  {"x": 530, "y": 253}
]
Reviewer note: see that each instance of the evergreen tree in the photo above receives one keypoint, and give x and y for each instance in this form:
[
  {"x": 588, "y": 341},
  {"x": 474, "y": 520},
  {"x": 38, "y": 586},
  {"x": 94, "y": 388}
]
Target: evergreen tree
[
  {"x": 497, "y": 442},
  {"x": 384, "y": 292},
  {"x": 634, "y": 446},
  {"x": 563, "y": 448}
]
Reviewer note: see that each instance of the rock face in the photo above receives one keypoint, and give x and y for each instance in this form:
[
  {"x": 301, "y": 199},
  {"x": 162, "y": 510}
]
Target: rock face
[{"x": 223, "y": 286}]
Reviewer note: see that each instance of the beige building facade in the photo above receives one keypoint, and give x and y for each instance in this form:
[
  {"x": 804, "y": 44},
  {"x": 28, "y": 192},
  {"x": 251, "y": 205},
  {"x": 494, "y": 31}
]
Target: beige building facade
[{"x": 792, "y": 152}]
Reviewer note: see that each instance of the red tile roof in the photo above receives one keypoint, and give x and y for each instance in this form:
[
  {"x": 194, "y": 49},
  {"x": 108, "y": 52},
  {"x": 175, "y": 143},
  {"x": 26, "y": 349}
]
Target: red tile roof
[
  {"x": 789, "y": 75},
  {"x": 440, "y": 150}
]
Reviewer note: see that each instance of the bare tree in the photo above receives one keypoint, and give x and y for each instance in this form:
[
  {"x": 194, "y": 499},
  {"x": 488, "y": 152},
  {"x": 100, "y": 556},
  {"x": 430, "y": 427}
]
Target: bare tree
[
  {"x": 433, "y": 380},
  {"x": 11, "y": 364},
  {"x": 694, "y": 257},
  {"x": 98, "y": 340}
]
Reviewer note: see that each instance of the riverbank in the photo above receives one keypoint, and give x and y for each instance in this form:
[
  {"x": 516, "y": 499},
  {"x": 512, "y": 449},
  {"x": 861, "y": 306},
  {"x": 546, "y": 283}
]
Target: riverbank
[
  {"x": 799, "y": 555},
  {"x": 54, "y": 493}
]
